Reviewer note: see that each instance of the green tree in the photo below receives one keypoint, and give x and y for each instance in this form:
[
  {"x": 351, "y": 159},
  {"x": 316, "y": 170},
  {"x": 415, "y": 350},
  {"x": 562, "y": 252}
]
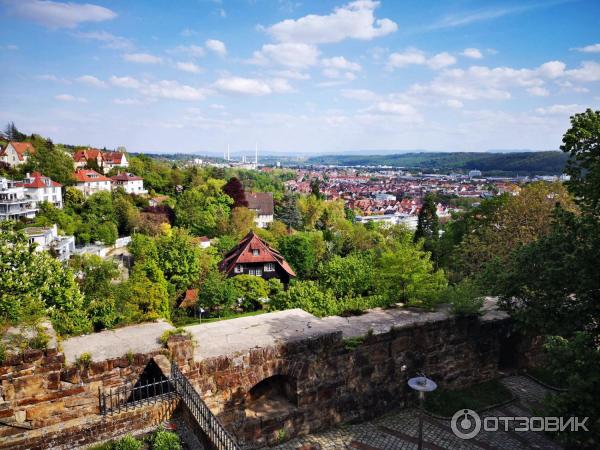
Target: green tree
[
  {"x": 287, "y": 212},
  {"x": 251, "y": 290},
  {"x": 217, "y": 292},
  {"x": 178, "y": 257},
  {"x": 428, "y": 225},
  {"x": 303, "y": 251},
  {"x": 201, "y": 208},
  {"x": 406, "y": 274},
  {"x": 53, "y": 163},
  {"x": 582, "y": 143},
  {"x": 105, "y": 232},
  {"x": 351, "y": 276},
  {"x": 146, "y": 295}
]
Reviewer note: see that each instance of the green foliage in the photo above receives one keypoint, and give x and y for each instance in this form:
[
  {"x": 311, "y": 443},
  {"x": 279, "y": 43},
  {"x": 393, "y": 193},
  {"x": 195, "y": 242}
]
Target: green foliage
[
  {"x": 406, "y": 274},
  {"x": 164, "y": 338},
  {"x": 84, "y": 360},
  {"x": 582, "y": 143},
  {"x": 52, "y": 162},
  {"x": 349, "y": 276},
  {"x": 308, "y": 296},
  {"x": 178, "y": 257},
  {"x": 303, "y": 251},
  {"x": 217, "y": 292},
  {"x": 445, "y": 402},
  {"x": 287, "y": 212},
  {"x": 201, "y": 208},
  {"x": 530, "y": 163},
  {"x": 251, "y": 290},
  {"x": 165, "y": 440},
  {"x": 145, "y": 295},
  {"x": 465, "y": 298},
  {"x": 33, "y": 284},
  {"x": 428, "y": 223},
  {"x": 128, "y": 443}
]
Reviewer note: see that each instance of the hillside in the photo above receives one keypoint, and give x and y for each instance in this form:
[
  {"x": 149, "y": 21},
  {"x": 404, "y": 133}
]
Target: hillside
[{"x": 524, "y": 163}]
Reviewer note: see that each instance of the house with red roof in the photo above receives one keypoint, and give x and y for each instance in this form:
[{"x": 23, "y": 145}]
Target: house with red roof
[
  {"x": 253, "y": 256},
  {"x": 105, "y": 160},
  {"x": 132, "y": 184},
  {"x": 262, "y": 205},
  {"x": 16, "y": 153},
  {"x": 42, "y": 189},
  {"x": 90, "y": 182}
]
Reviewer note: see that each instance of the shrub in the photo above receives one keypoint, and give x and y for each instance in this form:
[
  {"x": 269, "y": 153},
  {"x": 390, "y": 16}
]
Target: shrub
[
  {"x": 165, "y": 440},
  {"x": 164, "y": 338},
  {"x": 465, "y": 298},
  {"x": 127, "y": 443},
  {"x": 84, "y": 360}
]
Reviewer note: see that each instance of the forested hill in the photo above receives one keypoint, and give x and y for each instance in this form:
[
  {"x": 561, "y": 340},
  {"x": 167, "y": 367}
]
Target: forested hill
[{"x": 523, "y": 163}]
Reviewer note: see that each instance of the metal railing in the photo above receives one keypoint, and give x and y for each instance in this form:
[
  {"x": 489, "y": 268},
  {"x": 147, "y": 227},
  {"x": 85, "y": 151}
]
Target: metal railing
[
  {"x": 123, "y": 398},
  {"x": 216, "y": 433}
]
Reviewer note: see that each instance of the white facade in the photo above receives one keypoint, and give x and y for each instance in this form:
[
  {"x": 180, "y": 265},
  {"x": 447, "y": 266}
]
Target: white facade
[
  {"x": 263, "y": 220},
  {"x": 14, "y": 158},
  {"x": 43, "y": 189},
  {"x": 130, "y": 183},
  {"x": 91, "y": 182},
  {"x": 391, "y": 219},
  {"x": 48, "y": 239},
  {"x": 15, "y": 204}
]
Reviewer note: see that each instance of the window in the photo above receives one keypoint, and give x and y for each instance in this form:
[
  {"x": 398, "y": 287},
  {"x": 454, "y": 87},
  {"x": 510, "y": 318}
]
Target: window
[
  {"x": 255, "y": 252},
  {"x": 256, "y": 272},
  {"x": 239, "y": 268},
  {"x": 270, "y": 267}
]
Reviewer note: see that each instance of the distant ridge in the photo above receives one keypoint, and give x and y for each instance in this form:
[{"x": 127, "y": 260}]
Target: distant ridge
[{"x": 499, "y": 163}]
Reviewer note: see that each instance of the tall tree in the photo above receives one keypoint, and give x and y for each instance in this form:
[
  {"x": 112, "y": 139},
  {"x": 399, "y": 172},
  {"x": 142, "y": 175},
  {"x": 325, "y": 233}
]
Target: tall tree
[
  {"x": 287, "y": 212},
  {"x": 12, "y": 133},
  {"x": 235, "y": 190},
  {"x": 428, "y": 225}
]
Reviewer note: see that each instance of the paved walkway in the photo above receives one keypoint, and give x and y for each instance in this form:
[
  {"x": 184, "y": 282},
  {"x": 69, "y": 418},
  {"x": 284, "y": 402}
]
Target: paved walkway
[{"x": 400, "y": 430}]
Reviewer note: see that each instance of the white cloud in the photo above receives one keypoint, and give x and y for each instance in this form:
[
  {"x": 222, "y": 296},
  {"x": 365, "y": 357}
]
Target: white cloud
[
  {"x": 191, "y": 50},
  {"x": 466, "y": 18},
  {"x": 188, "y": 66},
  {"x": 441, "y": 60},
  {"x": 54, "y": 78},
  {"x": 339, "y": 62},
  {"x": 560, "y": 109},
  {"x": 453, "y": 103},
  {"x": 538, "y": 91},
  {"x": 125, "y": 82},
  {"x": 109, "y": 40},
  {"x": 173, "y": 90},
  {"x": 355, "y": 20},
  {"x": 587, "y": 72},
  {"x": 216, "y": 46},
  {"x": 335, "y": 73},
  {"x": 292, "y": 74},
  {"x": 289, "y": 54},
  {"x": 593, "y": 48},
  {"x": 363, "y": 95},
  {"x": 252, "y": 86},
  {"x": 402, "y": 109},
  {"x": 70, "y": 98},
  {"x": 552, "y": 69},
  {"x": 472, "y": 53},
  {"x": 409, "y": 57},
  {"x": 142, "y": 58},
  {"x": 414, "y": 56},
  {"x": 91, "y": 81},
  {"x": 126, "y": 101},
  {"x": 54, "y": 15}
]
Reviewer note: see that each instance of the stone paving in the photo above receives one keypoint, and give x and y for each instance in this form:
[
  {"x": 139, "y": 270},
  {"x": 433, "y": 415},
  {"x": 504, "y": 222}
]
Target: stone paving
[{"x": 399, "y": 430}]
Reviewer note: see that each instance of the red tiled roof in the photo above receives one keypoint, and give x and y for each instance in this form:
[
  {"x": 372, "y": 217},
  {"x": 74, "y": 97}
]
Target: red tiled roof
[
  {"x": 83, "y": 176},
  {"x": 242, "y": 253},
  {"x": 84, "y": 155},
  {"x": 113, "y": 157},
  {"x": 22, "y": 149},
  {"x": 37, "y": 181}
]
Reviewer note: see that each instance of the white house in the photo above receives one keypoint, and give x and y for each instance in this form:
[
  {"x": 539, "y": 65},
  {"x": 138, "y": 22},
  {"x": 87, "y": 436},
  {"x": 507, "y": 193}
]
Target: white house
[
  {"x": 42, "y": 189},
  {"x": 15, "y": 204},
  {"x": 130, "y": 182},
  {"x": 16, "y": 153},
  {"x": 90, "y": 182},
  {"x": 391, "y": 219},
  {"x": 113, "y": 159},
  {"x": 48, "y": 239},
  {"x": 262, "y": 205}
]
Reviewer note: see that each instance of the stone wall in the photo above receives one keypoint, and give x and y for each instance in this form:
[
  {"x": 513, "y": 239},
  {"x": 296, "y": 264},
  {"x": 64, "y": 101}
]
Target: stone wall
[
  {"x": 49, "y": 404},
  {"x": 336, "y": 384},
  {"x": 39, "y": 391}
]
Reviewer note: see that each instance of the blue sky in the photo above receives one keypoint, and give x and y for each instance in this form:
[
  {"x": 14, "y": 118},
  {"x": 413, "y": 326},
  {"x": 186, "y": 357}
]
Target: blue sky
[{"x": 299, "y": 76}]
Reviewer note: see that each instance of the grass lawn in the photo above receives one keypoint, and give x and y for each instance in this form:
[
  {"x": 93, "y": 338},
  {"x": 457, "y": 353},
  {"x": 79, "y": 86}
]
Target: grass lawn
[
  {"x": 444, "y": 402},
  {"x": 184, "y": 321},
  {"x": 545, "y": 375}
]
